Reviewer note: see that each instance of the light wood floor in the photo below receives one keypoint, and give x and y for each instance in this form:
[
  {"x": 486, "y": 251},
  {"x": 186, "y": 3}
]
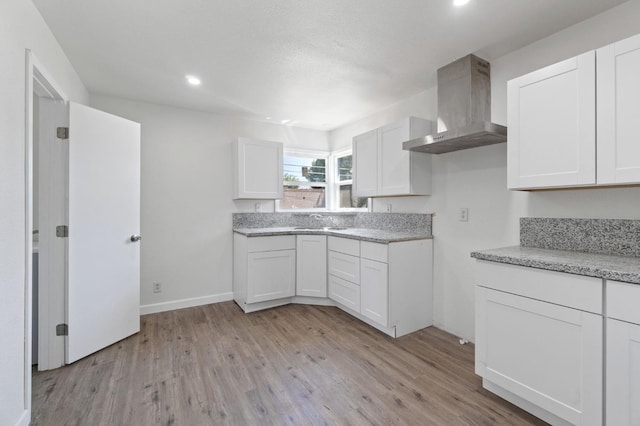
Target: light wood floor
[{"x": 297, "y": 364}]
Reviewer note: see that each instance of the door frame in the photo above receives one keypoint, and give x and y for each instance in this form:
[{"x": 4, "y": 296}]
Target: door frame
[{"x": 39, "y": 81}]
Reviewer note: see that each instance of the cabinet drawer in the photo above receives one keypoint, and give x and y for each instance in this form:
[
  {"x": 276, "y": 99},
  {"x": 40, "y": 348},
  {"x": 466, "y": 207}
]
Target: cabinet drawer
[
  {"x": 344, "y": 245},
  {"x": 623, "y": 300},
  {"x": 344, "y": 266},
  {"x": 374, "y": 251},
  {"x": 574, "y": 291},
  {"x": 344, "y": 292},
  {"x": 279, "y": 242}
]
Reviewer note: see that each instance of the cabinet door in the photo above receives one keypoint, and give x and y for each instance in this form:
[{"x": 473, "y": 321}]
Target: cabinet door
[
  {"x": 271, "y": 275},
  {"x": 623, "y": 373},
  {"x": 547, "y": 354},
  {"x": 618, "y": 112},
  {"x": 365, "y": 164},
  {"x": 258, "y": 169},
  {"x": 394, "y": 162},
  {"x": 374, "y": 291},
  {"x": 552, "y": 126},
  {"x": 311, "y": 271}
]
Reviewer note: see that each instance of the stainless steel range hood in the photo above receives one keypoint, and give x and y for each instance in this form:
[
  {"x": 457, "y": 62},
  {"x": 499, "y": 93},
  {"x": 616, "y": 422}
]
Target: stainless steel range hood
[{"x": 464, "y": 109}]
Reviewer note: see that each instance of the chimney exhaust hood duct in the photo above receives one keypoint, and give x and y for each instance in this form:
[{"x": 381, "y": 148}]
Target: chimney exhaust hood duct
[{"x": 464, "y": 109}]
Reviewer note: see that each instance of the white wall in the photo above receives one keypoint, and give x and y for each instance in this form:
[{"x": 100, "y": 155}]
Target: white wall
[
  {"x": 21, "y": 27},
  {"x": 186, "y": 201},
  {"x": 477, "y": 178}
]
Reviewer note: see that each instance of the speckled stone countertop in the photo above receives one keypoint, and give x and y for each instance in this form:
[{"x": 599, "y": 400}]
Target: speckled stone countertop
[
  {"x": 362, "y": 234},
  {"x": 610, "y": 267}
]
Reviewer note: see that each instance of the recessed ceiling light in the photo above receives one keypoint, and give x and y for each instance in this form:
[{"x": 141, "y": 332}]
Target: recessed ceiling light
[
  {"x": 194, "y": 81},
  {"x": 459, "y": 3},
  {"x": 268, "y": 118},
  {"x": 285, "y": 121}
]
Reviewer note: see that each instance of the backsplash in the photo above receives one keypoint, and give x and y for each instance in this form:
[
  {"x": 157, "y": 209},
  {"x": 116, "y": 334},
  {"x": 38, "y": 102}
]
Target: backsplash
[
  {"x": 397, "y": 222},
  {"x": 605, "y": 236}
]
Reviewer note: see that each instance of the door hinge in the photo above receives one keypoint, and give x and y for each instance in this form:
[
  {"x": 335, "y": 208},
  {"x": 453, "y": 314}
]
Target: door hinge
[
  {"x": 62, "y": 133},
  {"x": 62, "y": 330},
  {"x": 62, "y": 231}
]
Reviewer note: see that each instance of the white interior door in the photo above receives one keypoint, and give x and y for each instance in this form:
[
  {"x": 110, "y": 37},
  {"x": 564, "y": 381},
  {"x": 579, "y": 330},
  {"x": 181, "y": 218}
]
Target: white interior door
[{"x": 103, "y": 283}]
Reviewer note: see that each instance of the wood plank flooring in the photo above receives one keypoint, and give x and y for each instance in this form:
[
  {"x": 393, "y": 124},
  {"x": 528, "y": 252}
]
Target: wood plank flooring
[{"x": 292, "y": 365}]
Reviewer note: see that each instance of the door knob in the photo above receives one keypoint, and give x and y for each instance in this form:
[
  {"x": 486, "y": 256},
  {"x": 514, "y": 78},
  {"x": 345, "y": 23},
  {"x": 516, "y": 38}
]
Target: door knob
[{"x": 135, "y": 238}]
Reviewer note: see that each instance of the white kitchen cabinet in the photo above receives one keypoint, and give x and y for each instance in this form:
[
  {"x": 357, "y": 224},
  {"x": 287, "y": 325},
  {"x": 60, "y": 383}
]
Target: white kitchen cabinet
[
  {"x": 552, "y": 126},
  {"x": 539, "y": 341},
  {"x": 623, "y": 373},
  {"x": 257, "y": 170},
  {"x": 388, "y": 286},
  {"x": 575, "y": 123},
  {"x": 264, "y": 271},
  {"x": 383, "y": 168},
  {"x": 623, "y": 354},
  {"x": 365, "y": 164},
  {"x": 311, "y": 261},
  {"x": 343, "y": 263},
  {"x": 374, "y": 291},
  {"x": 618, "y": 89}
]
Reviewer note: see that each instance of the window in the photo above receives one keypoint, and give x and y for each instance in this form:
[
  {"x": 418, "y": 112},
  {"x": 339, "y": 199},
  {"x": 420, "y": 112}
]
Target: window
[
  {"x": 344, "y": 183},
  {"x": 305, "y": 181},
  {"x": 319, "y": 181}
]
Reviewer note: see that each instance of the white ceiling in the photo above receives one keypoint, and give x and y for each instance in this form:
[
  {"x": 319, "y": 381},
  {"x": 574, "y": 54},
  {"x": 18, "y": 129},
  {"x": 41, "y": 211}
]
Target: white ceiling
[{"x": 319, "y": 63}]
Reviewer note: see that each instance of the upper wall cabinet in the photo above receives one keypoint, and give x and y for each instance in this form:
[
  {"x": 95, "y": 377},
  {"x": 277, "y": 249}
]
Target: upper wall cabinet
[
  {"x": 552, "y": 123},
  {"x": 383, "y": 168},
  {"x": 619, "y": 112},
  {"x": 559, "y": 130},
  {"x": 257, "y": 170}
]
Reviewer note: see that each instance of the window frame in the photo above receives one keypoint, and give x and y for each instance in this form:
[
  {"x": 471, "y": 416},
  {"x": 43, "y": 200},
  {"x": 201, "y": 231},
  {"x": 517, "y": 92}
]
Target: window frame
[
  {"x": 308, "y": 154},
  {"x": 332, "y": 182},
  {"x": 336, "y": 183}
]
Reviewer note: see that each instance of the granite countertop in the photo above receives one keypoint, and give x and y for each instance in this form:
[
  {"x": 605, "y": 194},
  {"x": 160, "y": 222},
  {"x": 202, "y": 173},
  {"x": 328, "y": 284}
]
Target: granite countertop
[
  {"x": 362, "y": 234},
  {"x": 610, "y": 267}
]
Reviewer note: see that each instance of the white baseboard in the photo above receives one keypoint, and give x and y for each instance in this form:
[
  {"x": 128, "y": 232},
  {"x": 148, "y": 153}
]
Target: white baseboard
[
  {"x": 24, "y": 419},
  {"x": 185, "y": 303}
]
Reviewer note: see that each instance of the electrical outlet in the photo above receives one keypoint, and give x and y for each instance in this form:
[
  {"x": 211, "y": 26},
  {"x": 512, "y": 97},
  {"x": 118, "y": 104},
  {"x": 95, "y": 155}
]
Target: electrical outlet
[
  {"x": 464, "y": 214},
  {"x": 389, "y": 208},
  {"x": 157, "y": 287},
  {"x": 258, "y": 207}
]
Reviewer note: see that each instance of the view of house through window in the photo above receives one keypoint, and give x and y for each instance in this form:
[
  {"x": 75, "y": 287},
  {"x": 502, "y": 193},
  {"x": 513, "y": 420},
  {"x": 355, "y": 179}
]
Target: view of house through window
[
  {"x": 319, "y": 181},
  {"x": 304, "y": 182}
]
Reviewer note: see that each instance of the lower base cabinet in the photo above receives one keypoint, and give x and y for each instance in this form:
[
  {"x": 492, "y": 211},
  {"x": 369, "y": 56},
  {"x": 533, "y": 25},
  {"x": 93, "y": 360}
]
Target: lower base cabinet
[
  {"x": 311, "y": 261},
  {"x": 264, "y": 271},
  {"x": 623, "y": 373},
  {"x": 537, "y": 344},
  {"x": 623, "y": 353},
  {"x": 388, "y": 286},
  {"x": 374, "y": 298}
]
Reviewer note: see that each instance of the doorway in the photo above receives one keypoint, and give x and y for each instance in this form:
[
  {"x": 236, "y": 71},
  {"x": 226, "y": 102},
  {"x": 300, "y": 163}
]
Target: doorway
[
  {"x": 83, "y": 196},
  {"x": 41, "y": 89}
]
